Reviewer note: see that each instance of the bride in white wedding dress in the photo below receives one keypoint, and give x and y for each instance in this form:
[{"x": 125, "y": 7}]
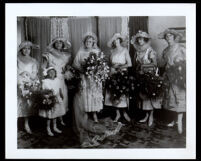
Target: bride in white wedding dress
[{"x": 90, "y": 97}]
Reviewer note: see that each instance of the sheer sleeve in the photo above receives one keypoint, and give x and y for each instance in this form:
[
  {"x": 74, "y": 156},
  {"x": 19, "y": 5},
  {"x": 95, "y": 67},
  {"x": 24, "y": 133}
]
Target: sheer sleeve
[
  {"x": 152, "y": 57},
  {"x": 181, "y": 55},
  {"x": 45, "y": 60},
  {"x": 163, "y": 59},
  {"x": 77, "y": 61},
  {"x": 35, "y": 68},
  {"x": 128, "y": 58}
]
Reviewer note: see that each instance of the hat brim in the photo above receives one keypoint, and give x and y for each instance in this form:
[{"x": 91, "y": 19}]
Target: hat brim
[
  {"x": 134, "y": 38},
  {"x": 27, "y": 44},
  {"x": 115, "y": 37},
  {"x": 173, "y": 32},
  {"x": 91, "y": 34},
  {"x": 66, "y": 43}
]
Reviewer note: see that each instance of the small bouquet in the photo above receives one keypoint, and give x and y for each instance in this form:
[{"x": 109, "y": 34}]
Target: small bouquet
[
  {"x": 151, "y": 85},
  {"x": 44, "y": 99},
  {"x": 96, "y": 67},
  {"x": 120, "y": 84},
  {"x": 177, "y": 74},
  {"x": 73, "y": 78},
  {"x": 26, "y": 89}
]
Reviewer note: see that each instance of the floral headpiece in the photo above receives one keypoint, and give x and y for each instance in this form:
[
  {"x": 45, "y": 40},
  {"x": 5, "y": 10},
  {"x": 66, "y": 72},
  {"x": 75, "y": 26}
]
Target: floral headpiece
[
  {"x": 45, "y": 71},
  {"x": 139, "y": 34},
  {"x": 90, "y": 34},
  {"x": 27, "y": 44}
]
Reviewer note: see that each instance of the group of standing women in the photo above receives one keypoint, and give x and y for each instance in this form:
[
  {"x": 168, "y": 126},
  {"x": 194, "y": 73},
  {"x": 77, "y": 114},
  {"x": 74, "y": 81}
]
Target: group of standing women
[{"x": 90, "y": 97}]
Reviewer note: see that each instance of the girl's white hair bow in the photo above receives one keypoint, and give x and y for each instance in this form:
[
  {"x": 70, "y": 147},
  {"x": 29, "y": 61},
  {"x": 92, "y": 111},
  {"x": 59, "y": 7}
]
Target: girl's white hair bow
[{"x": 46, "y": 70}]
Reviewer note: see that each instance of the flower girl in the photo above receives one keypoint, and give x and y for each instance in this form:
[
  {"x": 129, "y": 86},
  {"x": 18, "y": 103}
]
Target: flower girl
[{"x": 51, "y": 82}]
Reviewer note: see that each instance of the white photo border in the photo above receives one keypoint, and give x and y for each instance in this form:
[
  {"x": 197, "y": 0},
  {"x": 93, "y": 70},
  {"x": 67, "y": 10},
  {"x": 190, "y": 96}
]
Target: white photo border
[{"x": 13, "y": 10}]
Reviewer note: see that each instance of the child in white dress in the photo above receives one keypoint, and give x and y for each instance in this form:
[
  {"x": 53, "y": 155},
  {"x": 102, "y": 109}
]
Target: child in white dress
[{"x": 51, "y": 82}]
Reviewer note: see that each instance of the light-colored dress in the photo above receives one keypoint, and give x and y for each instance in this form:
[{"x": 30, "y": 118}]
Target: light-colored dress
[
  {"x": 175, "y": 98},
  {"x": 57, "y": 110},
  {"x": 59, "y": 60},
  {"x": 90, "y": 90},
  {"x": 24, "y": 108},
  {"x": 147, "y": 56},
  {"x": 117, "y": 58},
  {"x": 90, "y": 98}
]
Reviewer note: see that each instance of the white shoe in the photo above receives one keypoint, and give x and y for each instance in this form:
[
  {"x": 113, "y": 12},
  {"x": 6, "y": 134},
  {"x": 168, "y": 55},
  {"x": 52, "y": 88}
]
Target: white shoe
[
  {"x": 144, "y": 119},
  {"x": 63, "y": 123},
  {"x": 28, "y": 130},
  {"x": 96, "y": 121},
  {"x": 49, "y": 132},
  {"x": 171, "y": 124},
  {"x": 127, "y": 117},
  {"x": 180, "y": 131},
  {"x": 57, "y": 130},
  {"x": 117, "y": 118}
]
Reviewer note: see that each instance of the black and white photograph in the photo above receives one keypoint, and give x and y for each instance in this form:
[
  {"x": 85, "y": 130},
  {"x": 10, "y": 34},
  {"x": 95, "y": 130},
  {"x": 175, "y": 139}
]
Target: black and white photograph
[{"x": 101, "y": 82}]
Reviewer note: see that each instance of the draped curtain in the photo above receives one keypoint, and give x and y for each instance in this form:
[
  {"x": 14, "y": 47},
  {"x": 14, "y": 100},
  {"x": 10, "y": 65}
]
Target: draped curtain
[
  {"x": 107, "y": 26},
  {"x": 38, "y": 31},
  {"x": 20, "y": 30},
  {"x": 135, "y": 24},
  {"x": 78, "y": 26},
  {"x": 59, "y": 27}
]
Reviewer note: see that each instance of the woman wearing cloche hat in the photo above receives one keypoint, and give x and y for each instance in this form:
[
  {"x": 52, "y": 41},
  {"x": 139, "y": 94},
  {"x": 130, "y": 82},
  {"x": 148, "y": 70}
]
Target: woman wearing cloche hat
[
  {"x": 57, "y": 57},
  {"x": 174, "y": 54},
  {"x": 26, "y": 64}
]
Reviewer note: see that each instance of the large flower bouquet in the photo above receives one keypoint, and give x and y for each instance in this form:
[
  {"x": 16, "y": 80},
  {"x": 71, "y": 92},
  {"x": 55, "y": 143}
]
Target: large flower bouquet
[
  {"x": 96, "y": 67},
  {"x": 151, "y": 85},
  {"x": 44, "y": 99},
  {"x": 177, "y": 74},
  {"x": 27, "y": 88},
  {"x": 73, "y": 78},
  {"x": 121, "y": 84}
]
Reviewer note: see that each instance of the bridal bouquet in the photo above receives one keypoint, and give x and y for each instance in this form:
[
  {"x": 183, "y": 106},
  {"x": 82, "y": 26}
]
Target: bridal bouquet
[
  {"x": 177, "y": 74},
  {"x": 44, "y": 99},
  {"x": 151, "y": 85},
  {"x": 121, "y": 84},
  {"x": 96, "y": 67}
]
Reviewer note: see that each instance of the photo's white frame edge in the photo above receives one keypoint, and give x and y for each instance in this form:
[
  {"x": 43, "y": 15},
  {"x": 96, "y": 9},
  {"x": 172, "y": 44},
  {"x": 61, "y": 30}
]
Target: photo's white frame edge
[{"x": 13, "y": 10}]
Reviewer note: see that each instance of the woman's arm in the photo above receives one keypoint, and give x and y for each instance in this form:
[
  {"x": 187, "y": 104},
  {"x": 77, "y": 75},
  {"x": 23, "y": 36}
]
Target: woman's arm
[
  {"x": 34, "y": 72},
  {"x": 163, "y": 61},
  {"x": 45, "y": 60},
  {"x": 77, "y": 62},
  {"x": 61, "y": 94},
  {"x": 153, "y": 57},
  {"x": 128, "y": 61}
]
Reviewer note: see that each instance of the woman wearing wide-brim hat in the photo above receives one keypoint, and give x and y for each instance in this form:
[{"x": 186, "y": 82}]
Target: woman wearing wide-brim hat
[
  {"x": 119, "y": 60},
  {"x": 145, "y": 60},
  {"x": 57, "y": 56},
  {"x": 27, "y": 71},
  {"x": 175, "y": 98}
]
